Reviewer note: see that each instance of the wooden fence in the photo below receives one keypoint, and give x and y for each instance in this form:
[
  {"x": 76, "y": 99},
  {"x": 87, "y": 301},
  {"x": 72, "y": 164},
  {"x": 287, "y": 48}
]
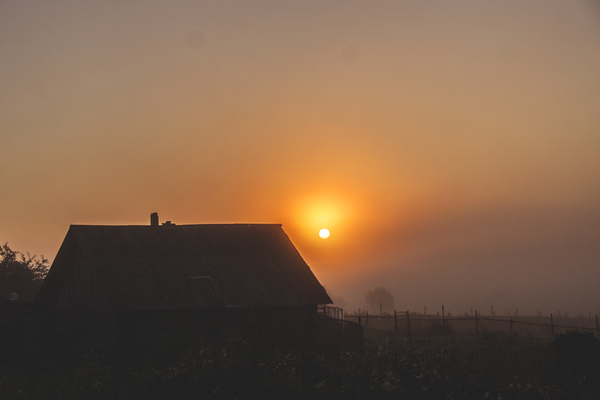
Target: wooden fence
[
  {"x": 405, "y": 323},
  {"x": 330, "y": 311}
]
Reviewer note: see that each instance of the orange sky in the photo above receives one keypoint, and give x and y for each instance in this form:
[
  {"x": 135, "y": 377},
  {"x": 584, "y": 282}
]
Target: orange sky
[{"x": 450, "y": 147}]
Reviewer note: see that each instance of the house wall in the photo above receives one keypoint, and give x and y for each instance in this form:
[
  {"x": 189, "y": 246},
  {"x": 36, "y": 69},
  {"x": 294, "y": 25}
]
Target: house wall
[
  {"x": 75, "y": 332},
  {"x": 79, "y": 290},
  {"x": 276, "y": 325}
]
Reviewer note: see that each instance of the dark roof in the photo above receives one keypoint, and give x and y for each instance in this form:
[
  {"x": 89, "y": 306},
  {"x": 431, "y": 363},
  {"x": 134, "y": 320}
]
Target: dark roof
[{"x": 185, "y": 266}]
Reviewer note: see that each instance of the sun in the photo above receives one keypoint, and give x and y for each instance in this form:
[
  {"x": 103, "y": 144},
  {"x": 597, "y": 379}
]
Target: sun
[{"x": 324, "y": 233}]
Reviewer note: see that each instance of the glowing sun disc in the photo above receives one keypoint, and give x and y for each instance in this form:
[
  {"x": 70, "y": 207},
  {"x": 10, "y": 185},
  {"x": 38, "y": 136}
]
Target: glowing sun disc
[{"x": 324, "y": 233}]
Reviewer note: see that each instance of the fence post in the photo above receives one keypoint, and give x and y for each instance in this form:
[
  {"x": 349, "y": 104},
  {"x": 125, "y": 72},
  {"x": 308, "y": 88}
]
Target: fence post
[
  {"x": 476, "y": 323},
  {"x": 443, "y": 318},
  {"x": 395, "y": 324},
  {"x": 408, "y": 323},
  {"x": 511, "y": 326},
  {"x": 552, "y": 324}
]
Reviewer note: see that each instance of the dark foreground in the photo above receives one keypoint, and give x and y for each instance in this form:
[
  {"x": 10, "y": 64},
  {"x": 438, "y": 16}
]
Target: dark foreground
[{"x": 433, "y": 368}]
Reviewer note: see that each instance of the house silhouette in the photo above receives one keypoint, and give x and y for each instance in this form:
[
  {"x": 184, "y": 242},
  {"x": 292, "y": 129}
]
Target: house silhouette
[{"x": 113, "y": 282}]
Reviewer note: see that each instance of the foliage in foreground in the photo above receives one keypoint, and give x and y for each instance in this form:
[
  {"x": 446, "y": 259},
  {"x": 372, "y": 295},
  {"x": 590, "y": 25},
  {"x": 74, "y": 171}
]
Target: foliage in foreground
[
  {"x": 20, "y": 273},
  {"x": 578, "y": 359},
  {"x": 392, "y": 370}
]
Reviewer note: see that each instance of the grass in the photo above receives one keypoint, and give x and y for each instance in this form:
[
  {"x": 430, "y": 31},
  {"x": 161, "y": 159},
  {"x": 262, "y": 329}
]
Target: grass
[{"x": 433, "y": 367}]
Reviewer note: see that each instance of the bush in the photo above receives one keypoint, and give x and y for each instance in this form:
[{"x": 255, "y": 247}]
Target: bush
[
  {"x": 20, "y": 273},
  {"x": 578, "y": 359}
]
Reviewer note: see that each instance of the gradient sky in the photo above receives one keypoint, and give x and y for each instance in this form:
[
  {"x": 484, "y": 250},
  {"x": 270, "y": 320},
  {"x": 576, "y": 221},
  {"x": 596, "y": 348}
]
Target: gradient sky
[{"x": 451, "y": 148}]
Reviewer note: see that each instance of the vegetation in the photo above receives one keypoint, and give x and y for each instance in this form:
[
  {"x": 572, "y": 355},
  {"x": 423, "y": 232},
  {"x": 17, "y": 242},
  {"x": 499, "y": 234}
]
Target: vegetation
[
  {"x": 20, "y": 273},
  {"x": 578, "y": 359},
  {"x": 380, "y": 297},
  {"x": 431, "y": 368}
]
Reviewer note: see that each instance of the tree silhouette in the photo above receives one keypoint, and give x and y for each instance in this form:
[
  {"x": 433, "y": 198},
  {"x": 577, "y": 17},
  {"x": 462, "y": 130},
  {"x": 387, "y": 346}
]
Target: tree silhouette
[
  {"x": 380, "y": 297},
  {"x": 20, "y": 273}
]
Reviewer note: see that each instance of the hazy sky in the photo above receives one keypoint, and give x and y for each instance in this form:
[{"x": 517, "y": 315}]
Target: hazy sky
[{"x": 451, "y": 147}]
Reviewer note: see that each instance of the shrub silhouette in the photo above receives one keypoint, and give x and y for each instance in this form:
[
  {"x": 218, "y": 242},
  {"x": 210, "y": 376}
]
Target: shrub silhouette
[
  {"x": 578, "y": 358},
  {"x": 21, "y": 273}
]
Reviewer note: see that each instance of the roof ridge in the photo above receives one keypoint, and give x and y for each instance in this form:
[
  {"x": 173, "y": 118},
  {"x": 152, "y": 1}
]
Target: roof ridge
[{"x": 180, "y": 225}]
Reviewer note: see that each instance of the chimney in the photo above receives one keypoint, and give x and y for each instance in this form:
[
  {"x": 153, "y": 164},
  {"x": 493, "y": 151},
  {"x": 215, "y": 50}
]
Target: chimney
[{"x": 154, "y": 219}]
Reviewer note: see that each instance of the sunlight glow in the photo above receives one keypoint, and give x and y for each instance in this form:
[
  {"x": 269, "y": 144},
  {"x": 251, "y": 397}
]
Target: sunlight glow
[
  {"x": 324, "y": 233},
  {"x": 323, "y": 210}
]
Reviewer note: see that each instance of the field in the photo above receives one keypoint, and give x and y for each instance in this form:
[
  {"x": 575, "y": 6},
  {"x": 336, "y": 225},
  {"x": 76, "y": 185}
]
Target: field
[
  {"x": 418, "y": 325},
  {"x": 444, "y": 364}
]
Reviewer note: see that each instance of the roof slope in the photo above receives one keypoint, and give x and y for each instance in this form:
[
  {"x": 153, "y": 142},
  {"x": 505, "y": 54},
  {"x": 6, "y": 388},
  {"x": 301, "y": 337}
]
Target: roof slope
[{"x": 185, "y": 267}]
